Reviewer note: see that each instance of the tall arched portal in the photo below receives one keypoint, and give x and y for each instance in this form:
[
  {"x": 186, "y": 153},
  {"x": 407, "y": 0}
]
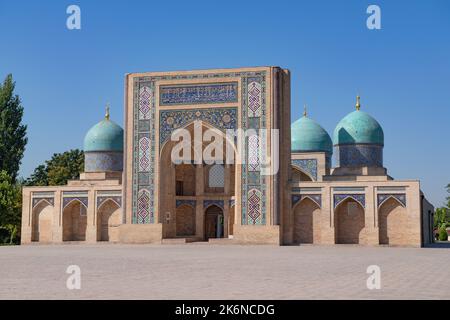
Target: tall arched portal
[
  {"x": 393, "y": 223},
  {"x": 74, "y": 221},
  {"x": 214, "y": 222},
  {"x": 108, "y": 221},
  {"x": 42, "y": 222},
  {"x": 349, "y": 222},
  {"x": 307, "y": 222}
]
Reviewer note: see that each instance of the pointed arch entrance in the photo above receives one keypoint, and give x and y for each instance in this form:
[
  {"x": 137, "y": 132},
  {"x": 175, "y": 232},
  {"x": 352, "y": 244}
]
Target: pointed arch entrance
[
  {"x": 42, "y": 222},
  {"x": 393, "y": 223},
  {"x": 349, "y": 222},
  {"x": 214, "y": 222},
  {"x": 74, "y": 221},
  {"x": 307, "y": 222},
  {"x": 108, "y": 221}
]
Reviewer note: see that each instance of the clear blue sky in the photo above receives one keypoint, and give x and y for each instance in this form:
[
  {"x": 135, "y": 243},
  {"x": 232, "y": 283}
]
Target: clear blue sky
[{"x": 402, "y": 71}]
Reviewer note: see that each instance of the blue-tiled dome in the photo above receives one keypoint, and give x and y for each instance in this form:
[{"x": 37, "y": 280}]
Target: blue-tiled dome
[
  {"x": 104, "y": 136},
  {"x": 358, "y": 127},
  {"x": 308, "y": 136}
]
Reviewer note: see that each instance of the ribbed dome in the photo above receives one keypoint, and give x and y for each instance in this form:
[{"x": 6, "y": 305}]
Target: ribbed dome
[
  {"x": 308, "y": 135},
  {"x": 358, "y": 127},
  {"x": 104, "y": 136}
]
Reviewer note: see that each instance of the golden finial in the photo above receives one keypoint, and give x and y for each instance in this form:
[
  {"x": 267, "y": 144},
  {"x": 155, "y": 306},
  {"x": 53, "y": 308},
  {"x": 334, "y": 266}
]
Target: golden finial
[
  {"x": 107, "y": 111},
  {"x": 358, "y": 104},
  {"x": 304, "y": 110}
]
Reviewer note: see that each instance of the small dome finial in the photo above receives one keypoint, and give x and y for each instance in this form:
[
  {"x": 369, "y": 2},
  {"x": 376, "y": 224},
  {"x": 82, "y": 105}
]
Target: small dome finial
[
  {"x": 304, "y": 110},
  {"x": 358, "y": 104},
  {"x": 107, "y": 111}
]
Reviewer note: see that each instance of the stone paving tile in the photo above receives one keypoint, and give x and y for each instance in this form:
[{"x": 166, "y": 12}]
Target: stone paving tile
[{"x": 223, "y": 272}]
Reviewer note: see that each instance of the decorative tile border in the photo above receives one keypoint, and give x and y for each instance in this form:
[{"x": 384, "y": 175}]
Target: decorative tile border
[
  {"x": 307, "y": 165},
  {"x": 180, "y": 202},
  {"x": 102, "y": 199},
  {"x": 219, "y": 203},
  {"x": 360, "y": 198},
  {"x": 400, "y": 197},
  {"x": 37, "y": 200},
  {"x": 170, "y": 95},
  {"x": 316, "y": 198},
  {"x": 83, "y": 200}
]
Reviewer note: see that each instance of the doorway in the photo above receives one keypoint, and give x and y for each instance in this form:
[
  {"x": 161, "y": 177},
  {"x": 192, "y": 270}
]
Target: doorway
[{"x": 214, "y": 222}]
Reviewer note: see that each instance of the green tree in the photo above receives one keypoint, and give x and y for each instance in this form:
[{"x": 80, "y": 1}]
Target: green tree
[
  {"x": 10, "y": 205},
  {"x": 440, "y": 217},
  {"x": 443, "y": 236},
  {"x": 58, "y": 170},
  {"x": 12, "y": 132}
]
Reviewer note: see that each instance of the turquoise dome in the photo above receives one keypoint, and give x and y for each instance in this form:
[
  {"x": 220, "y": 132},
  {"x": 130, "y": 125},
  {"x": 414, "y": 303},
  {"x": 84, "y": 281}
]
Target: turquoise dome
[
  {"x": 358, "y": 127},
  {"x": 104, "y": 136},
  {"x": 308, "y": 136}
]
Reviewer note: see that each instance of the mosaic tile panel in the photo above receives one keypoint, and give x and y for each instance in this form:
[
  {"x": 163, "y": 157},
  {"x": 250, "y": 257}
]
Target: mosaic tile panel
[
  {"x": 102, "y": 199},
  {"x": 307, "y": 165},
  {"x": 316, "y": 198},
  {"x": 144, "y": 210},
  {"x": 216, "y": 176},
  {"x": 358, "y": 155},
  {"x": 36, "y": 201},
  {"x": 401, "y": 197},
  {"x": 220, "y": 118},
  {"x": 219, "y": 203},
  {"x": 145, "y": 100},
  {"x": 83, "y": 200},
  {"x": 360, "y": 198},
  {"x": 198, "y": 94},
  {"x": 254, "y": 99},
  {"x": 254, "y": 153},
  {"x": 144, "y": 154},
  {"x": 103, "y": 161},
  {"x": 254, "y": 206},
  {"x": 180, "y": 202}
]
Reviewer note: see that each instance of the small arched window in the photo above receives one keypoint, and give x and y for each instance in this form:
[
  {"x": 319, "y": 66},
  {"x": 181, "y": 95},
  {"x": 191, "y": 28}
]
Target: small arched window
[{"x": 216, "y": 176}]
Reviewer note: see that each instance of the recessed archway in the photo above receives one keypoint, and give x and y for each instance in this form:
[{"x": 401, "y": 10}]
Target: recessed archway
[
  {"x": 349, "y": 222},
  {"x": 214, "y": 219},
  {"x": 74, "y": 221},
  {"x": 306, "y": 222},
  {"x": 108, "y": 221},
  {"x": 42, "y": 222},
  {"x": 393, "y": 223}
]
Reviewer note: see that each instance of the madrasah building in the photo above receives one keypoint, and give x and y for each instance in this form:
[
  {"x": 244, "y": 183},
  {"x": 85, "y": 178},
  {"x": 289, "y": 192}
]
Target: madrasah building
[{"x": 323, "y": 191}]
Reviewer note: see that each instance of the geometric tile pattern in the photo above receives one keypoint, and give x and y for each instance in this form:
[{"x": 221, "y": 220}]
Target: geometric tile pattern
[
  {"x": 144, "y": 154},
  {"x": 400, "y": 197},
  {"x": 254, "y": 206},
  {"x": 253, "y": 153},
  {"x": 358, "y": 155},
  {"x": 198, "y": 94},
  {"x": 216, "y": 176},
  {"x": 307, "y": 165},
  {"x": 180, "y": 202},
  {"x": 254, "y": 99},
  {"x": 360, "y": 198},
  {"x": 50, "y": 201},
  {"x": 83, "y": 200},
  {"x": 219, "y": 203},
  {"x": 316, "y": 198},
  {"x": 144, "y": 212},
  {"x": 145, "y": 100},
  {"x": 102, "y": 199}
]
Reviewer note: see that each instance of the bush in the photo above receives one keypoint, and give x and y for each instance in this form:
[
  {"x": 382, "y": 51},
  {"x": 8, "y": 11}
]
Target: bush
[{"x": 443, "y": 236}]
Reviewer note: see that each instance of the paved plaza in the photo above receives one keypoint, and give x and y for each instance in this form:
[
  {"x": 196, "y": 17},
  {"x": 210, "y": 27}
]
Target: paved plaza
[{"x": 204, "y": 271}]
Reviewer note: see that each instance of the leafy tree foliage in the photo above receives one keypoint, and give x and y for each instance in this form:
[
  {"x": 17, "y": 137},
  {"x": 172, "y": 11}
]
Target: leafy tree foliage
[
  {"x": 58, "y": 170},
  {"x": 12, "y": 132},
  {"x": 10, "y": 206}
]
